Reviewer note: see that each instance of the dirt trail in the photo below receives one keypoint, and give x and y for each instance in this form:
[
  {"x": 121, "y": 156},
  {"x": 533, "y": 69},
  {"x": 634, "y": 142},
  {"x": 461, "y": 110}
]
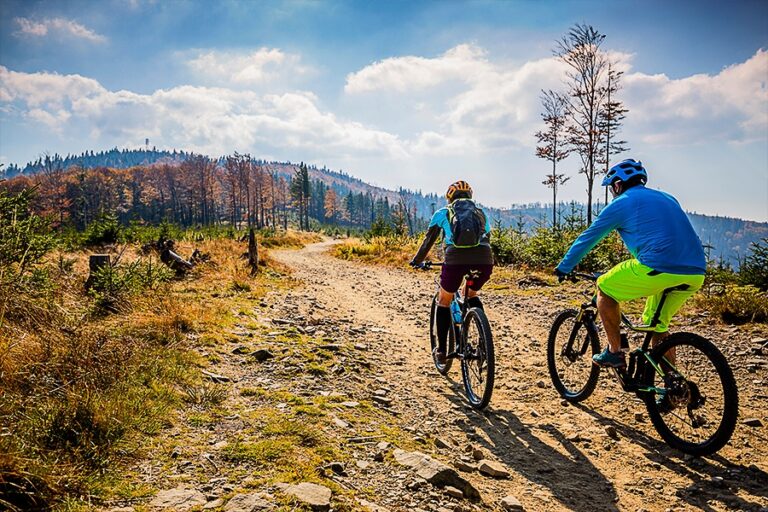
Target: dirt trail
[{"x": 528, "y": 427}]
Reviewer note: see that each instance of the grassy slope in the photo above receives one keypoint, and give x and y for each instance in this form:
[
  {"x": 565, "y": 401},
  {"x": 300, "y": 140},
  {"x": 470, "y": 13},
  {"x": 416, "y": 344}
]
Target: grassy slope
[{"x": 83, "y": 392}]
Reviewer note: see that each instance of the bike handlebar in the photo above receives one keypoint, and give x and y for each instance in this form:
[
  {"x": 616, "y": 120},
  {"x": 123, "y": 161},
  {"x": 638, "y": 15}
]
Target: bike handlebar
[
  {"x": 581, "y": 276},
  {"x": 427, "y": 265}
]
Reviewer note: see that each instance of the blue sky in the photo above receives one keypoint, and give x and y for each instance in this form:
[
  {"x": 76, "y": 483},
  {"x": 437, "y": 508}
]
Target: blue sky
[{"x": 412, "y": 93}]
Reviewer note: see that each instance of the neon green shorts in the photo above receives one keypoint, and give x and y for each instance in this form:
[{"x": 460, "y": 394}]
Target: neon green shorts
[{"x": 631, "y": 280}]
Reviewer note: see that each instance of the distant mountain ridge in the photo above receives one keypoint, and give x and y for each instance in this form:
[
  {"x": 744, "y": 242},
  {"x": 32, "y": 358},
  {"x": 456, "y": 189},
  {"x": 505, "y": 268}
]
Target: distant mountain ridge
[{"x": 727, "y": 239}]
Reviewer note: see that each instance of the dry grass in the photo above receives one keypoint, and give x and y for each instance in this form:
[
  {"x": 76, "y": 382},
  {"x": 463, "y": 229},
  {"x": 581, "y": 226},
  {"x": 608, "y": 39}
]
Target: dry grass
[
  {"x": 80, "y": 390},
  {"x": 389, "y": 251},
  {"x": 289, "y": 239}
]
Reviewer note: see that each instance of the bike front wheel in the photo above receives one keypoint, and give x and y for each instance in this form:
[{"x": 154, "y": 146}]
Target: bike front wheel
[
  {"x": 570, "y": 347},
  {"x": 442, "y": 368},
  {"x": 478, "y": 363},
  {"x": 698, "y": 404}
]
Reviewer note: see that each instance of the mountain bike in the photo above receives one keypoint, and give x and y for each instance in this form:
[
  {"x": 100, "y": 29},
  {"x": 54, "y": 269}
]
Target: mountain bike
[
  {"x": 469, "y": 340},
  {"x": 685, "y": 381}
]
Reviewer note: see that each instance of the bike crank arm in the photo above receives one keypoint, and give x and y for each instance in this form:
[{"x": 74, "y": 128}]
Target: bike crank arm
[{"x": 624, "y": 380}]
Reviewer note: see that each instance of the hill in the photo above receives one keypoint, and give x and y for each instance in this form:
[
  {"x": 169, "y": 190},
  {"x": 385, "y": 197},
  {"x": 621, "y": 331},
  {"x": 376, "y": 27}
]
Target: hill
[{"x": 727, "y": 239}]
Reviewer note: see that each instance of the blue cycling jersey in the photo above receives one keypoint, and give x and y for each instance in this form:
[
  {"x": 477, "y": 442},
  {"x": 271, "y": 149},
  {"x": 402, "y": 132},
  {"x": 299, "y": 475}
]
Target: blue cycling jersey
[{"x": 654, "y": 228}]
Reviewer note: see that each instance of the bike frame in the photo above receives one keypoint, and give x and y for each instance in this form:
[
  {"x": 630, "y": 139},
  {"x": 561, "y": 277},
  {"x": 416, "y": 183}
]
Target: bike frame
[
  {"x": 459, "y": 298},
  {"x": 639, "y": 359}
]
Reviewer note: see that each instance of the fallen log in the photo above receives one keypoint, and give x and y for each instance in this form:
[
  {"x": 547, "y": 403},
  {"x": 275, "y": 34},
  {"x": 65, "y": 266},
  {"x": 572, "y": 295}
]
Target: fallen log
[{"x": 175, "y": 262}]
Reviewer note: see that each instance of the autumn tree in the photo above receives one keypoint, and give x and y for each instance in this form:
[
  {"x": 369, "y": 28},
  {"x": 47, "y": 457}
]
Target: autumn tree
[
  {"x": 553, "y": 141},
  {"x": 330, "y": 207},
  {"x": 199, "y": 172}
]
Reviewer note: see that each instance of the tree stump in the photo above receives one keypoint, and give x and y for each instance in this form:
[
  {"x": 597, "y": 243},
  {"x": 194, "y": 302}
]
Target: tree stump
[
  {"x": 96, "y": 262},
  {"x": 253, "y": 252}
]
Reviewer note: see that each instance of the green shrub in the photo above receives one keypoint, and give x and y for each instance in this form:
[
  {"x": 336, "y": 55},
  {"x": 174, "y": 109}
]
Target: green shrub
[
  {"x": 24, "y": 237},
  {"x": 754, "y": 269},
  {"x": 380, "y": 227},
  {"x": 103, "y": 231},
  {"x": 508, "y": 246},
  {"x": 112, "y": 286},
  {"x": 737, "y": 304},
  {"x": 546, "y": 247}
]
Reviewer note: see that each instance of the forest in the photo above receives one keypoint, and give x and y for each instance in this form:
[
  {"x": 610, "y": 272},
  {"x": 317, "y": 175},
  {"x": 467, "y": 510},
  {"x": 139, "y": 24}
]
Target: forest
[{"x": 149, "y": 186}]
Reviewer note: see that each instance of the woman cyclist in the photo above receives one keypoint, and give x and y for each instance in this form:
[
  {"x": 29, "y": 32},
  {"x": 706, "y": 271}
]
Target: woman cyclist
[{"x": 466, "y": 234}]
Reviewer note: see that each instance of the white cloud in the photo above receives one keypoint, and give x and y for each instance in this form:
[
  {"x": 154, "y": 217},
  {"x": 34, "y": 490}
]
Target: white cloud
[
  {"x": 476, "y": 105},
  {"x": 247, "y": 68},
  {"x": 460, "y": 104},
  {"x": 462, "y": 63},
  {"x": 731, "y": 105},
  {"x": 203, "y": 119},
  {"x": 56, "y": 26},
  {"x": 496, "y": 106},
  {"x": 51, "y": 89}
]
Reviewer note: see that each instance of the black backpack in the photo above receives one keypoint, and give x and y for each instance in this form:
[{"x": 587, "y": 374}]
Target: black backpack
[{"x": 467, "y": 223}]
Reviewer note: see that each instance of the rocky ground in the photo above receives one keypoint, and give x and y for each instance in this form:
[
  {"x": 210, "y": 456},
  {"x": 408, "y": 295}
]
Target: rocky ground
[{"x": 336, "y": 373}]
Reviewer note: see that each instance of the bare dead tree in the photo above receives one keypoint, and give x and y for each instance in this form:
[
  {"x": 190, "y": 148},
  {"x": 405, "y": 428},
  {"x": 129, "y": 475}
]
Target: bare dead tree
[
  {"x": 553, "y": 141},
  {"x": 611, "y": 117},
  {"x": 587, "y": 63}
]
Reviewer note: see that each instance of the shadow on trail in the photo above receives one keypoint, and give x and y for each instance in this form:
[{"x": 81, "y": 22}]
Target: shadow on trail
[
  {"x": 706, "y": 485},
  {"x": 572, "y": 479}
]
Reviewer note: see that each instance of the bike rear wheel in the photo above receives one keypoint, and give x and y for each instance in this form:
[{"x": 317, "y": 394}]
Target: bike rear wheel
[
  {"x": 442, "y": 368},
  {"x": 699, "y": 413},
  {"x": 570, "y": 347},
  {"x": 478, "y": 363}
]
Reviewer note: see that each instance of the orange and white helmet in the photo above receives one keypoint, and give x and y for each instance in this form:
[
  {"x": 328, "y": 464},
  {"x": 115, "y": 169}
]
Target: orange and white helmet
[{"x": 459, "y": 189}]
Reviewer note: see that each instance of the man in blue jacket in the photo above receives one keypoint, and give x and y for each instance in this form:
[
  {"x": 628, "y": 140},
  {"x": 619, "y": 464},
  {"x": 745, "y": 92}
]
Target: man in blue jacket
[{"x": 666, "y": 253}]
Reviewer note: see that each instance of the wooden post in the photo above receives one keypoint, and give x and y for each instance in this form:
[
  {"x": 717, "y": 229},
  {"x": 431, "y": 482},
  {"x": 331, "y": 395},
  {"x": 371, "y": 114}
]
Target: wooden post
[
  {"x": 253, "y": 252},
  {"x": 96, "y": 262}
]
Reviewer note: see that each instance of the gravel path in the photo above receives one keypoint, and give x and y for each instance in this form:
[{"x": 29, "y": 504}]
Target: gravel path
[{"x": 603, "y": 455}]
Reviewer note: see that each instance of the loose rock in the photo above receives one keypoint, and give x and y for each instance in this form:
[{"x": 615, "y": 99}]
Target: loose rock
[
  {"x": 248, "y": 503},
  {"x": 435, "y": 472},
  {"x": 453, "y": 492},
  {"x": 512, "y": 504},
  {"x": 217, "y": 503},
  {"x": 215, "y": 377},
  {"x": 262, "y": 355},
  {"x": 318, "y": 497},
  {"x": 178, "y": 499},
  {"x": 491, "y": 468}
]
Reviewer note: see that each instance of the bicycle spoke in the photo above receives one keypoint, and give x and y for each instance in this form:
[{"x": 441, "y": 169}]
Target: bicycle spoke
[
  {"x": 698, "y": 410},
  {"x": 569, "y": 357},
  {"x": 477, "y": 363}
]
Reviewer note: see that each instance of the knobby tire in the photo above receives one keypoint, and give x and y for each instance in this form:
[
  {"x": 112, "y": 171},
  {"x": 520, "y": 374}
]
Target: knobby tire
[
  {"x": 475, "y": 320},
  {"x": 566, "y": 320}
]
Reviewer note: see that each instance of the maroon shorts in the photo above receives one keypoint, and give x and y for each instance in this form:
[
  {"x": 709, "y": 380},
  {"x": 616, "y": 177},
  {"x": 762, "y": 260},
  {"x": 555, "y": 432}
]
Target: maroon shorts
[{"x": 451, "y": 276}]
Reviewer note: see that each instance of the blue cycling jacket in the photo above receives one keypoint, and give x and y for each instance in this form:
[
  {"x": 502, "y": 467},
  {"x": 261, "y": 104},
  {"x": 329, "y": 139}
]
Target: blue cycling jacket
[{"x": 654, "y": 228}]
